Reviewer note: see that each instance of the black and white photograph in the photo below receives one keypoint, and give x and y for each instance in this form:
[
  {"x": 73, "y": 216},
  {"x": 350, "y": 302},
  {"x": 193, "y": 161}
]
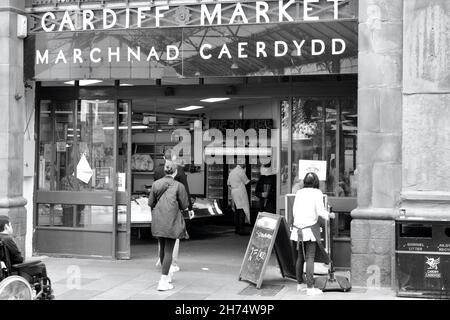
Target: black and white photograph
[{"x": 222, "y": 157}]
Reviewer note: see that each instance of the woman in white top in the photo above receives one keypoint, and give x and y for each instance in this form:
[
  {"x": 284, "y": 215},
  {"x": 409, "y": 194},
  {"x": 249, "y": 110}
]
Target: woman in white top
[{"x": 308, "y": 207}]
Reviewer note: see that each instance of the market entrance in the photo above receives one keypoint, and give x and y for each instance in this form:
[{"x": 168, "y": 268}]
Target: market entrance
[
  {"x": 111, "y": 135},
  {"x": 162, "y": 123}
]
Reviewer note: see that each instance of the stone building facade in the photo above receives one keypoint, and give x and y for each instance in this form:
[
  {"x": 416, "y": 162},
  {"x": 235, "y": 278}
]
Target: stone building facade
[
  {"x": 12, "y": 119},
  {"x": 403, "y": 95},
  {"x": 403, "y": 133}
]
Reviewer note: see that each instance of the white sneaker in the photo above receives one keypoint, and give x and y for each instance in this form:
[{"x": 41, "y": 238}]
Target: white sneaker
[
  {"x": 173, "y": 269},
  {"x": 217, "y": 207},
  {"x": 313, "y": 292},
  {"x": 301, "y": 287},
  {"x": 164, "y": 286}
]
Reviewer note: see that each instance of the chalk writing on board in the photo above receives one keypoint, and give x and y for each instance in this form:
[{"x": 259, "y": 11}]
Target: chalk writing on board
[
  {"x": 264, "y": 235},
  {"x": 270, "y": 231}
]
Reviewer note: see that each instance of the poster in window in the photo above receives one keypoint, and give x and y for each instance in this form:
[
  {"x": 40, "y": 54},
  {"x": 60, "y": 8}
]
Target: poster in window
[
  {"x": 318, "y": 167},
  {"x": 61, "y": 146},
  {"x": 84, "y": 170},
  {"x": 121, "y": 181}
]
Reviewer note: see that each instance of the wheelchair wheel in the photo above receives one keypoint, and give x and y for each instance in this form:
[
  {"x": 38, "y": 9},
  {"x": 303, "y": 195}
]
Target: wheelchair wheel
[{"x": 15, "y": 288}]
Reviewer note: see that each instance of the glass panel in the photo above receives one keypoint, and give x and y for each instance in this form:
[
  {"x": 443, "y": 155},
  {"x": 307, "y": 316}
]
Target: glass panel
[
  {"x": 311, "y": 136},
  {"x": 65, "y": 140},
  {"x": 348, "y": 149},
  {"x": 95, "y": 156},
  {"x": 316, "y": 135},
  {"x": 83, "y": 159},
  {"x": 45, "y": 147},
  {"x": 97, "y": 218},
  {"x": 122, "y": 140},
  {"x": 284, "y": 159}
]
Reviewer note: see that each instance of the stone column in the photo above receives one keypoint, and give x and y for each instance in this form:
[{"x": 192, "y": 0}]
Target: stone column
[
  {"x": 426, "y": 109},
  {"x": 379, "y": 141},
  {"x": 12, "y": 106}
]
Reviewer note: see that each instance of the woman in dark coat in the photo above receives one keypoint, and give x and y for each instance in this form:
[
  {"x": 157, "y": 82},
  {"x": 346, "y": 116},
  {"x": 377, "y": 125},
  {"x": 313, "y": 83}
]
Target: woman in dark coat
[{"x": 167, "y": 197}]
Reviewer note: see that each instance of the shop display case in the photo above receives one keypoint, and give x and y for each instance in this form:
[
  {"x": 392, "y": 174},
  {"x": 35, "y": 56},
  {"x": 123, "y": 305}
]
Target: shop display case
[
  {"x": 255, "y": 173},
  {"x": 215, "y": 182},
  {"x": 217, "y": 174},
  {"x": 146, "y": 157}
]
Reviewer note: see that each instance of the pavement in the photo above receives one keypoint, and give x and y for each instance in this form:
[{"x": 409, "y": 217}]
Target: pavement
[{"x": 210, "y": 264}]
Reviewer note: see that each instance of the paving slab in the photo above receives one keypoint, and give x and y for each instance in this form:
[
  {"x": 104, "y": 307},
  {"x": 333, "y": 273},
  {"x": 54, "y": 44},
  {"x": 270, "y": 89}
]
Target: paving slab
[{"x": 209, "y": 271}]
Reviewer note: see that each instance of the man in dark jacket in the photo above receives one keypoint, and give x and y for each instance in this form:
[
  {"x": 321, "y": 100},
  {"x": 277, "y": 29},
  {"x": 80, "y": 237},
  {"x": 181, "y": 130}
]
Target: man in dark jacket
[
  {"x": 266, "y": 189},
  {"x": 181, "y": 176},
  {"x": 15, "y": 256},
  {"x": 6, "y": 232}
]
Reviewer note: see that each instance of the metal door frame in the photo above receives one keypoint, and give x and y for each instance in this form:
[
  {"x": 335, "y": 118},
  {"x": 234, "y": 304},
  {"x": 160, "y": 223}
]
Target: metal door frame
[{"x": 113, "y": 198}]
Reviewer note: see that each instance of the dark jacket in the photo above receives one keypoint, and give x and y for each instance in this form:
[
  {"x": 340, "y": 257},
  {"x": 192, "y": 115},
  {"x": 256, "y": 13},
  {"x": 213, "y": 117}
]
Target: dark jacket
[
  {"x": 15, "y": 255},
  {"x": 181, "y": 177},
  {"x": 167, "y": 197},
  {"x": 269, "y": 184}
]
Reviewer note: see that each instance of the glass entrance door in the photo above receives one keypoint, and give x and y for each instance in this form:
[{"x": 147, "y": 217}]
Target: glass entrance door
[{"x": 78, "y": 179}]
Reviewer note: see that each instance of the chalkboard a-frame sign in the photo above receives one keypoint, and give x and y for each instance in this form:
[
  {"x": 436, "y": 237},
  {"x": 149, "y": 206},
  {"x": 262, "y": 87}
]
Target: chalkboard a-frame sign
[{"x": 259, "y": 249}]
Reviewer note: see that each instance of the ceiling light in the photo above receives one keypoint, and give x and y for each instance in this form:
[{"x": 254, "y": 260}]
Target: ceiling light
[
  {"x": 84, "y": 82},
  {"x": 212, "y": 100},
  {"x": 126, "y": 85},
  {"x": 190, "y": 108}
]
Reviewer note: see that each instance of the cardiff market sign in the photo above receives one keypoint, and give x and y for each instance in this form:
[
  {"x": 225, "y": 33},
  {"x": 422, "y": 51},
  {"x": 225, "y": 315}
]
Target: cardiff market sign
[{"x": 239, "y": 38}]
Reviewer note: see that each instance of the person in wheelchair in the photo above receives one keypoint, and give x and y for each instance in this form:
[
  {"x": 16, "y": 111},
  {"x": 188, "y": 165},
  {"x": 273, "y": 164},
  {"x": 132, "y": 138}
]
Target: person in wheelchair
[{"x": 35, "y": 272}]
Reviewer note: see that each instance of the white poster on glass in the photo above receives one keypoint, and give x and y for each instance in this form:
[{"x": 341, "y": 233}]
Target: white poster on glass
[
  {"x": 84, "y": 110},
  {"x": 121, "y": 181},
  {"x": 84, "y": 170},
  {"x": 318, "y": 167}
]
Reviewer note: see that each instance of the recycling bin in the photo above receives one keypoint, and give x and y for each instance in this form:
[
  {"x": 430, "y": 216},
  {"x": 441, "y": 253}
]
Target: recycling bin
[{"x": 422, "y": 255}]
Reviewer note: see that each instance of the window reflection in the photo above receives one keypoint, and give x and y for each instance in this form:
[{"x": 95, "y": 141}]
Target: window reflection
[
  {"x": 284, "y": 159},
  {"x": 96, "y": 144},
  {"x": 323, "y": 129},
  {"x": 76, "y": 153},
  {"x": 98, "y": 218}
]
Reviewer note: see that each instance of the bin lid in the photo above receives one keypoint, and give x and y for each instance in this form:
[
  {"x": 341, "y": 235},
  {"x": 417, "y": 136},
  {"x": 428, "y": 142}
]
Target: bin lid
[{"x": 421, "y": 219}]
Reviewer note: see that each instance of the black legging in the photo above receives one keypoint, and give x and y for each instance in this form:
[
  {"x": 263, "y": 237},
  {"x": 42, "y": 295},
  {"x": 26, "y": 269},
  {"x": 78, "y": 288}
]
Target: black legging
[{"x": 165, "y": 253}]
